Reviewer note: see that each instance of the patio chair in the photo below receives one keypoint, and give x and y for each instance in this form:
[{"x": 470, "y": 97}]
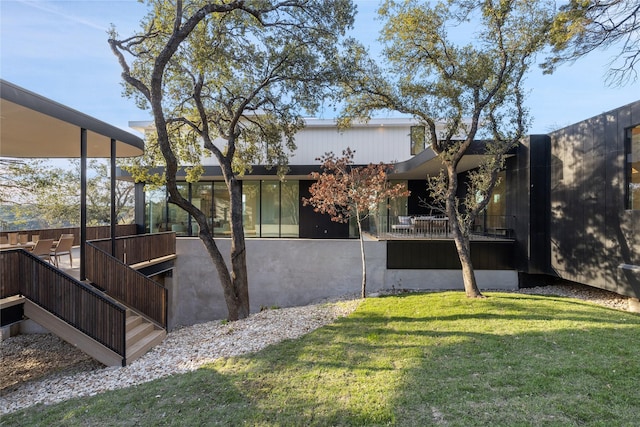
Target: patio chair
[
  {"x": 62, "y": 248},
  {"x": 13, "y": 238},
  {"x": 404, "y": 224},
  {"x": 42, "y": 249}
]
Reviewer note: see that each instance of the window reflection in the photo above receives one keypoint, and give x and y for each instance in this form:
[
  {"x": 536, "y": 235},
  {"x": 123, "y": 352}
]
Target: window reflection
[{"x": 418, "y": 138}]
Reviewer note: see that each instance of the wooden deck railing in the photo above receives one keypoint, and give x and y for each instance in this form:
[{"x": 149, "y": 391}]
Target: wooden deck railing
[
  {"x": 126, "y": 284},
  {"x": 93, "y": 233},
  {"x": 79, "y": 305},
  {"x": 134, "y": 249}
]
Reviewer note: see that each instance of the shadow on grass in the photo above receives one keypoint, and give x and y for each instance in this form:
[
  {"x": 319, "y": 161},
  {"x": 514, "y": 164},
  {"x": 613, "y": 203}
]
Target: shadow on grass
[{"x": 408, "y": 360}]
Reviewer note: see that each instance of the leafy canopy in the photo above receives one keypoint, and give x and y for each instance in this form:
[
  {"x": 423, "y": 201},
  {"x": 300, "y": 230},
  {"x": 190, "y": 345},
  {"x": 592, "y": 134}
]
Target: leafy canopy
[
  {"x": 239, "y": 83},
  {"x": 583, "y": 26}
]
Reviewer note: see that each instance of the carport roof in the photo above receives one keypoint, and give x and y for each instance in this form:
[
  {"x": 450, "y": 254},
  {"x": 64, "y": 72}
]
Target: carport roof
[{"x": 37, "y": 127}]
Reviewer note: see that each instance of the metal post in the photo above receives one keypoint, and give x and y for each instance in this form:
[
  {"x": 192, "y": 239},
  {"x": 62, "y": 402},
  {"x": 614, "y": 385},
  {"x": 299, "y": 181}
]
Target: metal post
[
  {"x": 114, "y": 219},
  {"x": 83, "y": 201}
]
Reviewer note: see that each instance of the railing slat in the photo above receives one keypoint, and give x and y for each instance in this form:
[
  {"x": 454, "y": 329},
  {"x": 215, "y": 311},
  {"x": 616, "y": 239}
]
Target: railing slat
[{"x": 70, "y": 300}]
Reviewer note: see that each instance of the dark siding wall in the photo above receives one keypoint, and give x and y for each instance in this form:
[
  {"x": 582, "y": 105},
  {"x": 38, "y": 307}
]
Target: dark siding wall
[
  {"x": 528, "y": 177},
  {"x": 318, "y": 226},
  {"x": 442, "y": 254},
  {"x": 591, "y": 234}
]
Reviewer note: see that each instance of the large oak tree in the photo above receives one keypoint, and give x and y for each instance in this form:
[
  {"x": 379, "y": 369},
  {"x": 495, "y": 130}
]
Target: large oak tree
[
  {"x": 230, "y": 79},
  {"x": 472, "y": 85}
]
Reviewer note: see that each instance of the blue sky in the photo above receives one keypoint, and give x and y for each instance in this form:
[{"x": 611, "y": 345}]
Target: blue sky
[{"x": 58, "y": 49}]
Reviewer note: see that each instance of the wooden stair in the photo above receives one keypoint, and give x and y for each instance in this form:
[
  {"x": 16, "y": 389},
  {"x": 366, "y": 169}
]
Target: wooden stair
[{"x": 141, "y": 336}]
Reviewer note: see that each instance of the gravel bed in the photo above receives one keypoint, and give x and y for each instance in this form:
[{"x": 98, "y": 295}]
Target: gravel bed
[
  {"x": 43, "y": 369},
  {"x": 40, "y": 368}
]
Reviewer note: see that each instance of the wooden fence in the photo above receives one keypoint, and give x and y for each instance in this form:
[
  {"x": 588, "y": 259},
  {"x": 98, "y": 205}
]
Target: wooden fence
[
  {"x": 86, "y": 309},
  {"x": 134, "y": 249}
]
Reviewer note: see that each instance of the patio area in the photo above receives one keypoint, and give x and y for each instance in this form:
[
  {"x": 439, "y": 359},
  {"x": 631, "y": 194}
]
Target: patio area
[{"x": 430, "y": 227}]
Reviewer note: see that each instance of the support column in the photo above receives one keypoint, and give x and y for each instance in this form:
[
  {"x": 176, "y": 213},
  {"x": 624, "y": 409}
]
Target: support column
[
  {"x": 83, "y": 201},
  {"x": 114, "y": 219}
]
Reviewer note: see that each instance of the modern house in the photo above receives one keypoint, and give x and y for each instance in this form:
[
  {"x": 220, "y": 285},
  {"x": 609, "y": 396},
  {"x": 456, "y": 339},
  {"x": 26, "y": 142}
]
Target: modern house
[{"x": 567, "y": 207}]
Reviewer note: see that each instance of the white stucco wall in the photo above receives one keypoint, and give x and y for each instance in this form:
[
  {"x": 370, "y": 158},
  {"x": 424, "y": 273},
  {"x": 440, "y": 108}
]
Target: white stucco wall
[{"x": 293, "y": 272}]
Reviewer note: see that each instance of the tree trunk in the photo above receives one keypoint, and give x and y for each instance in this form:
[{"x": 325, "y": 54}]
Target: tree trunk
[
  {"x": 468, "y": 276},
  {"x": 237, "y": 297},
  {"x": 223, "y": 273},
  {"x": 363, "y": 293},
  {"x": 461, "y": 239},
  {"x": 235, "y": 283}
]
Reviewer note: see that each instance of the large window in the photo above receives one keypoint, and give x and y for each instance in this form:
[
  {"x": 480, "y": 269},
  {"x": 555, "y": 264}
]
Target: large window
[
  {"x": 221, "y": 209},
  {"x": 156, "y": 210},
  {"x": 269, "y": 209},
  {"x": 201, "y": 198},
  {"x": 494, "y": 219},
  {"x": 418, "y": 138},
  {"x": 290, "y": 209},
  {"x": 633, "y": 168},
  {"x": 177, "y": 219},
  {"x": 251, "y": 208}
]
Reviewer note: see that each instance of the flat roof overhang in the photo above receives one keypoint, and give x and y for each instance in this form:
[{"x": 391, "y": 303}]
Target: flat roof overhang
[
  {"x": 32, "y": 126},
  {"x": 427, "y": 162}
]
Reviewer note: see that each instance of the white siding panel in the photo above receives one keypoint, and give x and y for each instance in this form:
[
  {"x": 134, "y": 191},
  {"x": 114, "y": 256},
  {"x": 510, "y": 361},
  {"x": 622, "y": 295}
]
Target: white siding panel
[
  {"x": 371, "y": 144},
  {"x": 381, "y": 140}
]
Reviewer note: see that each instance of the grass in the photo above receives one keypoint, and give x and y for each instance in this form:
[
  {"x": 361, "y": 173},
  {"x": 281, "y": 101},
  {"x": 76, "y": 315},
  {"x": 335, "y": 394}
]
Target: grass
[{"x": 411, "y": 360}]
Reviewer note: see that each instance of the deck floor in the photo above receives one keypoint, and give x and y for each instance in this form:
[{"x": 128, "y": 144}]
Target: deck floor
[{"x": 65, "y": 265}]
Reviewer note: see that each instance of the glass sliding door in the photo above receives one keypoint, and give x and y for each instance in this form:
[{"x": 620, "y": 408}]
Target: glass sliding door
[
  {"x": 202, "y": 198},
  {"x": 178, "y": 220},
  {"x": 156, "y": 210},
  {"x": 270, "y": 209},
  {"x": 290, "y": 212},
  {"x": 251, "y": 208},
  {"x": 222, "y": 210}
]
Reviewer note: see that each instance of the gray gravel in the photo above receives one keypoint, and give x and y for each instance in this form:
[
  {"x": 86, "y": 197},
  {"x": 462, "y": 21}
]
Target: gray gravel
[{"x": 44, "y": 369}]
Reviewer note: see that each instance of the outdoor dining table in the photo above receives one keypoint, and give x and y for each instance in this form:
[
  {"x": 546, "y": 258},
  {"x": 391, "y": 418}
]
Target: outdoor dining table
[
  {"x": 6, "y": 246},
  {"x": 431, "y": 225}
]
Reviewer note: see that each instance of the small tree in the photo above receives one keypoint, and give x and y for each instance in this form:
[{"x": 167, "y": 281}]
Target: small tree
[{"x": 346, "y": 192}]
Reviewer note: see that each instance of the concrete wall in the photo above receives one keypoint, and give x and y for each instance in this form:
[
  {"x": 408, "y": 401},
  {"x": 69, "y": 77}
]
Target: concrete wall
[{"x": 296, "y": 272}]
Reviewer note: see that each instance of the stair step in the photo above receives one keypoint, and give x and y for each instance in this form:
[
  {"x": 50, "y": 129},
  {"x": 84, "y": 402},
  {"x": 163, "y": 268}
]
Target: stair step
[
  {"x": 137, "y": 333},
  {"x": 145, "y": 344},
  {"x": 133, "y": 321}
]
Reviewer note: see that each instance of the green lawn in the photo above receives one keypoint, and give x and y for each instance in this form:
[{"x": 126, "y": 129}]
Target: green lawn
[{"x": 411, "y": 360}]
